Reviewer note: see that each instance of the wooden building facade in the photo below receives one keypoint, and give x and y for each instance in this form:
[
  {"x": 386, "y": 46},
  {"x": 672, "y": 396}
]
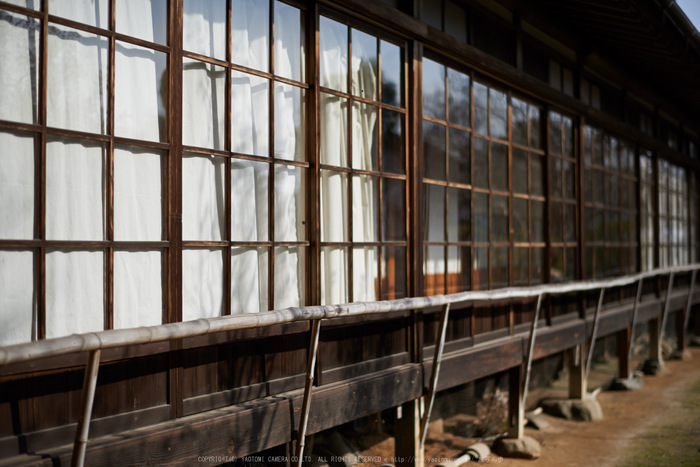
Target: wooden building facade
[{"x": 164, "y": 161}]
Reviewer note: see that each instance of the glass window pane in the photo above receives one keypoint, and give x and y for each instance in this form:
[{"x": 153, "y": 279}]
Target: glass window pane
[
  {"x": 499, "y": 167},
  {"x": 537, "y": 269},
  {"x": 74, "y": 191},
  {"x": 203, "y": 202},
  {"x": 202, "y": 283},
  {"x": 459, "y": 97},
  {"x": 138, "y": 295},
  {"x": 536, "y": 175},
  {"x": 334, "y": 275},
  {"x": 138, "y": 196},
  {"x": 520, "y": 166},
  {"x": 392, "y": 92},
  {"x": 481, "y": 268},
  {"x": 32, "y": 4},
  {"x": 203, "y": 98},
  {"x": 364, "y": 136},
  {"x": 481, "y": 163},
  {"x": 77, "y": 80},
  {"x": 434, "y": 270},
  {"x": 333, "y": 130},
  {"x": 393, "y": 149},
  {"x": 365, "y": 282},
  {"x": 481, "y": 100},
  {"x": 249, "y": 280},
  {"x": 456, "y": 21},
  {"x": 394, "y": 209},
  {"x": 521, "y": 266},
  {"x": 290, "y": 267},
  {"x": 434, "y": 213},
  {"x": 499, "y": 114},
  {"x": 520, "y": 122},
  {"x": 365, "y": 215},
  {"x": 364, "y": 65},
  {"x": 204, "y": 27},
  {"x": 333, "y": 54},
  {"x": 499, "y": 218},
  {"x": 19, "y": 83},
  {"x": 535, "y": 131},
  {"x": 17, "y": 297},
  {"x": 74, "y": 292},
  {"x": 433, "y": 89},
  {"x": 17, "y": 185},
  {"x": 250, "y": 96},
  {"x": 249, "y": 200},
  {"x": 537, "y": 222},
  {"x": 458, "y": 269},
  {"x": 334, "y": 206},
  {"x": 570, "y": 223},
  {"x": 140, "y": 93},
  {"x": 460, "y": 159},
  {"x": 558, "y": 269},
  {"x": 145, "y": 19},
  {"x": 289, "y": 42},
  {"x": 459, "y": 215},
  {"x": 569, "y": 180},
  {"x": 250, "y": 34},
  {"x": 520, "y": 220},
  {"x": 434, "y": 151},
  {"x": 289, "y": 122},
  {"x": 290, "y": 203},
  {"x": 481, "y": 217},
  {"x": 393, "y": 273},
  {"x": 557, "y": 222},
  {"x": 499, "y": 267}
]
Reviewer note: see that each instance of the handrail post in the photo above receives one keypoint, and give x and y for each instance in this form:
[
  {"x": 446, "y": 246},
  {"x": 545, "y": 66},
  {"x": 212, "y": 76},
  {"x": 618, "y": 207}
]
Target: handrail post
[
  {"x": 637, "y": 300},
  {"x": 86, "y": 402},
  {"x": 437, "y": 359},
  {"x": 591, "y": 346},
  {"x": 688, "y": 305},
  {"x": 528, "y": 368},
  {"x": 306, "y": 404}
]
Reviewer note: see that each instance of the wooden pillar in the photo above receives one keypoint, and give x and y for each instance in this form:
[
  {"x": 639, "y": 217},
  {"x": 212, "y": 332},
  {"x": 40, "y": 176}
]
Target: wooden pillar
[
  {"x": 516, "y": 405},
  {"x": 577, "y": 382},
  {"x": 623, "y": 355},
  {"x": 408, "y": 451},
  {"x": 680, "y": 329},
  {"x": 654, "y": 341}
]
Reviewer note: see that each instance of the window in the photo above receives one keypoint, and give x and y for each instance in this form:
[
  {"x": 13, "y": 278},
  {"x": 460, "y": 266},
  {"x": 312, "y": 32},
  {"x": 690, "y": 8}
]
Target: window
[
  {"x": 245, "y": 167},
  {"x": 83, "y": 239},
  {"x": 562, "y": 198},
  {"x": 610, "y": 202},
  {"x": 362, "y": 153},
  {"x": 446, "y": 180},
  {"x": 647, "y": 210},
  {"x": 674, "y": 234}
]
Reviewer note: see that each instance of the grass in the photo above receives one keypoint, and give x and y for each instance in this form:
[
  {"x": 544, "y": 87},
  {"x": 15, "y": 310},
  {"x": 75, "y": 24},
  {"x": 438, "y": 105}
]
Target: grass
[{"x": 675, "y": 441}]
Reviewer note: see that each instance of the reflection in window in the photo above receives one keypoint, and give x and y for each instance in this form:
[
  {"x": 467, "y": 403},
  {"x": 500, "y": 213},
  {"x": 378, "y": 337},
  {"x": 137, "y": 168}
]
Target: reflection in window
[{"x": 446, "y": 180}]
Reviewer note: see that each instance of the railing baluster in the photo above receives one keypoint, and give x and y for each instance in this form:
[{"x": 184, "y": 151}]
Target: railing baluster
[
  {"x": 591, "y": 346},
  {"x": 637, "y": 300},
  {"x": 689, "y": 303},
  {"x": 87, "y": 399},
  {"x": 667, "y": 306},
  {"x": 306, "y": 404},
  {"x": 435, "y": 374}
]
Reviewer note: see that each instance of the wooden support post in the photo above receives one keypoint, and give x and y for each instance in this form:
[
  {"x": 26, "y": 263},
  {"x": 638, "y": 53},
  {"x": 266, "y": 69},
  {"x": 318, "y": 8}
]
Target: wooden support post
[
  {"x": 408, "y": 452},
  {"x": 654, "y": 340},
  {"x": 516, "y": 405},
  {"x": 623, "y": 356},
  {"x": 577, "y": 383}
]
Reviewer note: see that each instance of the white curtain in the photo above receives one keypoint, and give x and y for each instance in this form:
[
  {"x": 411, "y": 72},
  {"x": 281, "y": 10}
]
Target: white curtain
[{"x": 334, "y": 261}]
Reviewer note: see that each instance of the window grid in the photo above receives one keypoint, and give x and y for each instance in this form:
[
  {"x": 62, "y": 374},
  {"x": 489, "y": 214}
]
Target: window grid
[
  {"x": 362, "y": 183},
  {"x": 674, "y": 235},
  {"x": 262, "y": 157},
  {"x": 446, "y": 180},
  {"x": 65, "y": 138},
  {"x": 562, "y": 198},
  {"x": 610, "y": 205}
]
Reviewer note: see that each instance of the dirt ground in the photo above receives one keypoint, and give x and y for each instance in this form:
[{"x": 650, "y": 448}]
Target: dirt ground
[{"x": 658, "y": 424}]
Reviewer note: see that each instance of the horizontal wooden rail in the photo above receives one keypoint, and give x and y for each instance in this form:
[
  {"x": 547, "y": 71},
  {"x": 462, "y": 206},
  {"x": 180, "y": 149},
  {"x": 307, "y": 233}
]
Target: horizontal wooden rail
[{"x": 166, "y": 332}]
